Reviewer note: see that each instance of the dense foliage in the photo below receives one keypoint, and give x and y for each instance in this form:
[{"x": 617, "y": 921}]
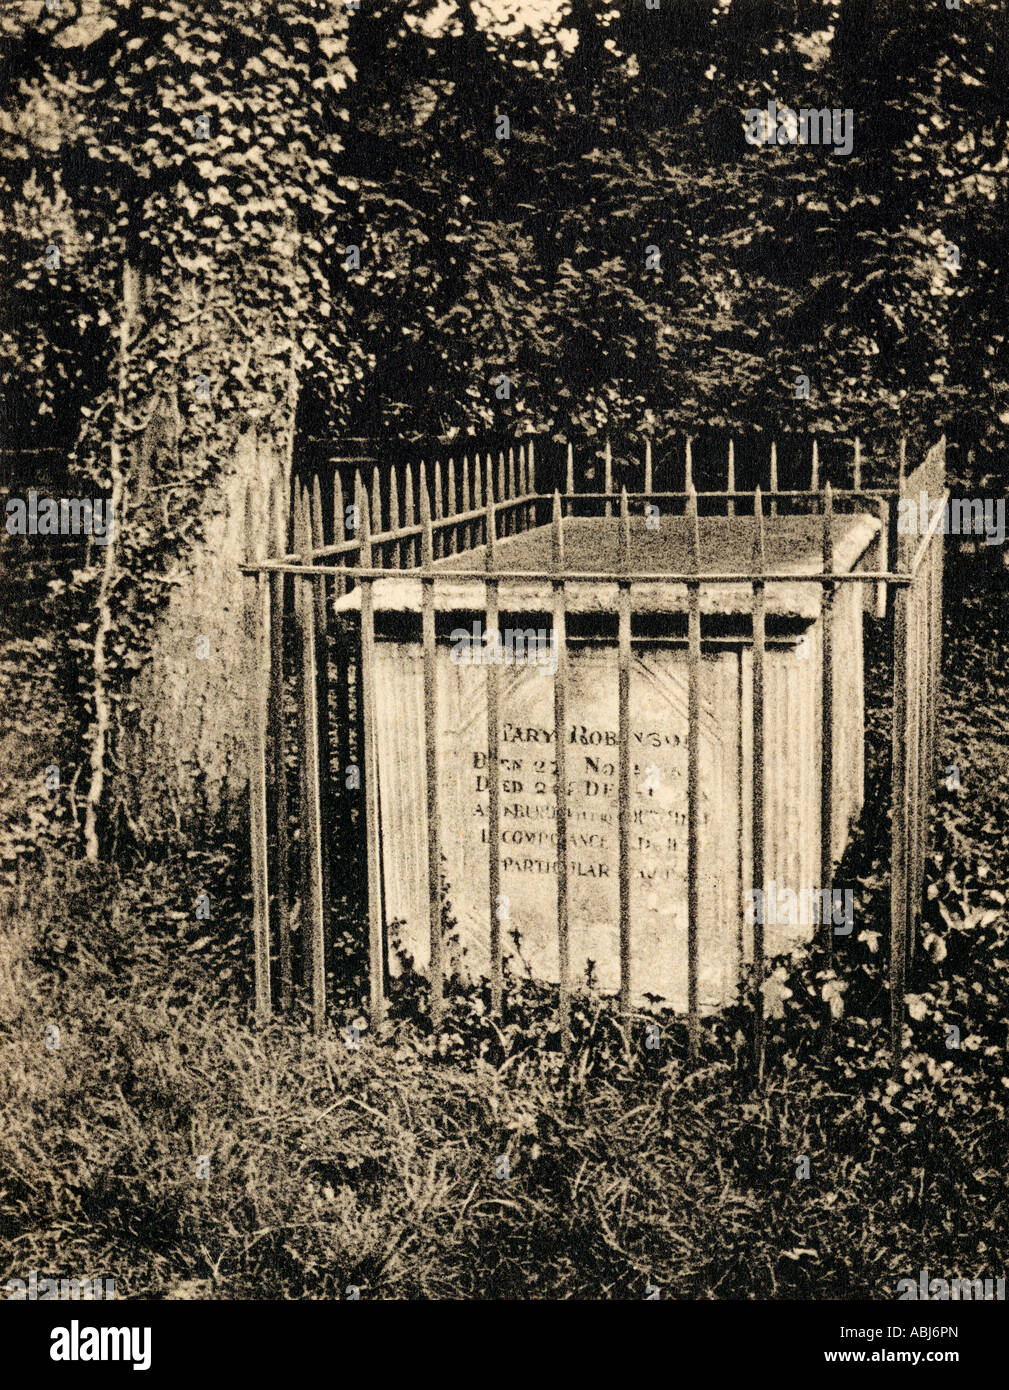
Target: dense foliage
[
  {"x": 378, "y": 128},
  {"x": 378, "y": 1166},
  {"x": 201, "y": 174}
]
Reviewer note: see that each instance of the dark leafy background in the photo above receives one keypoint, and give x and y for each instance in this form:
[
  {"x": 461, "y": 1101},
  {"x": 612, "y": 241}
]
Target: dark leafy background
[{"x": 376, "y": 128}]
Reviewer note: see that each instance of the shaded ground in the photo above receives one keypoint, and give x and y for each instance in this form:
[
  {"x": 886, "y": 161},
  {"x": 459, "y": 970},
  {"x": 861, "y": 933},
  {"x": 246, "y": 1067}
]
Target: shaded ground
[{"x": 480, "y": 1164}]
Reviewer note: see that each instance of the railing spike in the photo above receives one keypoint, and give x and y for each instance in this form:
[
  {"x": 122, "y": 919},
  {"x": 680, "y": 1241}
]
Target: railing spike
[
  {"x": 558, "y": 532},
  {"x": 426, "y": 535},
  {"x": 363, "y": 519},
  {"x": 318, "y": 535},
  {"x": 774, "y": 477},
  {"x": 625, "y": 529},
  {"x": 250, "y": 529},
  {"x": 422, "y": 489},
  {"x": 491, "y": 526},
  {"x": 393, "y": 500},
  {"x": 376, "y": 498},
  {"x": 695, "y": 528},
  {"x": 759, "y": 554}
]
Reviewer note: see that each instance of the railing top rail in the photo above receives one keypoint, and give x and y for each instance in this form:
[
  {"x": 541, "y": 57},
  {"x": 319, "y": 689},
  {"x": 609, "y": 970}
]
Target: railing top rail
[
  {"x": 736, "y": 493},
  {"x": 931, "y": 471},
  {"x": 442, "y": 523},
  {"x": 402, "y": 533},
  {"x": 577, "y": 576},
  {"x": 514, "y": 503}
]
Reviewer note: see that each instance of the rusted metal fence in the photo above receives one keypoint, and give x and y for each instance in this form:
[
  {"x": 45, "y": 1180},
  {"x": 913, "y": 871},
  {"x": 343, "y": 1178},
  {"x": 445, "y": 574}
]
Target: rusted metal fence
[{"x": 357, "y": 540}]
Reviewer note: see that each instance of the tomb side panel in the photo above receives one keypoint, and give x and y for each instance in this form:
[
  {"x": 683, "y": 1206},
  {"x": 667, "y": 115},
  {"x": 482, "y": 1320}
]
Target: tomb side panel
[
  {"x": 792, "y": 794},
  {"x": 849, "y": 715},
  {"x": 399, "y": 700}
]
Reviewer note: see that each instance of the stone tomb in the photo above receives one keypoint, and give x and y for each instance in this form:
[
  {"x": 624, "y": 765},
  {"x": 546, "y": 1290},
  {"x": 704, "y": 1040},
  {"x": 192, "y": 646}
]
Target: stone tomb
[{"x": 658, "y": 720}]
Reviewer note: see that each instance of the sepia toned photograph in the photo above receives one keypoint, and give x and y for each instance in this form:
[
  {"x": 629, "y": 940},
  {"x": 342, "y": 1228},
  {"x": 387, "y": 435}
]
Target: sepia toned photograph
[{"x": 504, "y": 666}]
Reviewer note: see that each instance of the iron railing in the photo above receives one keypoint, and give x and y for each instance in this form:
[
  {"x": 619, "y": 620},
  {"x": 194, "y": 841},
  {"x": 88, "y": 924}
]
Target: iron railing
[{"x": 303, "y": 583}]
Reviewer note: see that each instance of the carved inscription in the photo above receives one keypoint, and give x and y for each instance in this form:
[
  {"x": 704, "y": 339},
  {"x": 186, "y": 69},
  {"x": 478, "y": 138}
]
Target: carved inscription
[{"x": 527, "y": 773}]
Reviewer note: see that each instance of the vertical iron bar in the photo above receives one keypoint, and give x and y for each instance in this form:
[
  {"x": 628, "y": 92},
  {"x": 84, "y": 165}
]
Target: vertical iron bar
[
  {"x": 423, "y": 491},
  {"x": 321, "y": 608},
  {"x": 936, "y": 640},
  {"x": 531, "y": 479},
  {"x": 560, "y": 750},
  {"x": 898, "y": 836},
  {"x": 466, "y": 530},
  {"x": 899, "y": 796},
  {"x": 608, "y": 476},
  {"x": 369, "y": 737},
  {"x": 493, "y": 759},
  {"x": 730, "y": 506},
  {"x": 439, "y": 511},
  {"x": 339, "y": 529},
  {"x": 624, "y": 754},
  {"x": 693, "y": 771},
  {"x": 925, "y": 772},
  {"x": 827, "y": 718},
  {"x": 431, "y": 762},
  {"x": 410, "y": 549},
  {"x": 914, "y": 750},
  {"x": 258, "y": 635},
  {"x": 314, "y": 904},
  {"x": 940, "y": 593},
  {"x": 478, "y": 494},
  {"x": 513, "y": 516},
  {"x": 925, "y": 760},
  {"x": 929, "y": 777},
  {"x": 774, "y": 478},
  {"x": 882, "y": 554},
  {"x": 278, "y": 761},
  {"x": 377, "y": 514},
  {"x": 304, "y": 864},
  {"x": 452, "y": 509},
  {"x": 757, "y": 832},
  {"x": 502, "y": 491},
  {"x": 342, "y": 664},
  {"x": 395, "y": 551}
]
